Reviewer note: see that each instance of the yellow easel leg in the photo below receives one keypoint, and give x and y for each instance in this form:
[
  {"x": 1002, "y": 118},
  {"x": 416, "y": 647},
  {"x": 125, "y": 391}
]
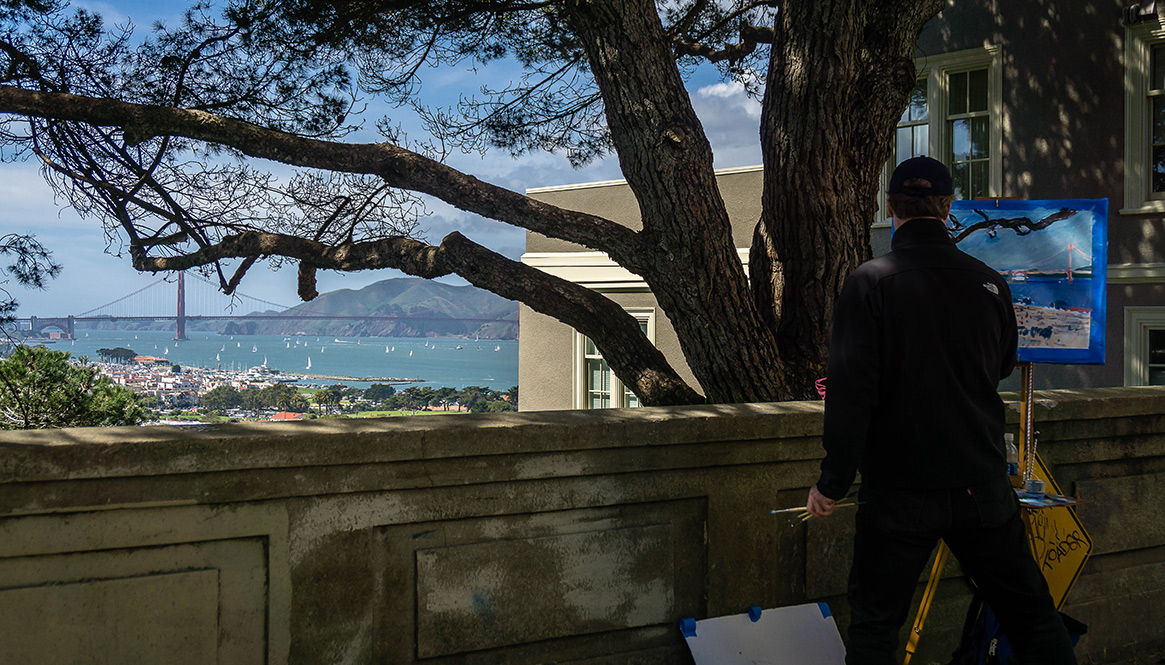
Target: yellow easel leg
[{"x": 936, "y": 573}]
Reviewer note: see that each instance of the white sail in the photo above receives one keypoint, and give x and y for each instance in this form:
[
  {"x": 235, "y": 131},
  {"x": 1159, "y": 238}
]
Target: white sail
[{"x": 309, "y": 362}]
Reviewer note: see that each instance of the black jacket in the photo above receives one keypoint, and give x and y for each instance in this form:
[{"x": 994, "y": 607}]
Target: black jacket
[{"x": 921, "y": 337}]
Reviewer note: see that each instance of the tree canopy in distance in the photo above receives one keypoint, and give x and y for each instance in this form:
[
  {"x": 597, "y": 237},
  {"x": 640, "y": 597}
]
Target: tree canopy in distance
[{"x": 165, "y": 139}]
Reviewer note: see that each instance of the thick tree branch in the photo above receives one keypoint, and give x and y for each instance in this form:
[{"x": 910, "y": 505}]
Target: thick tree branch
[
  {"x": 397, "y": 166},
  {"x": 635, "y": 360},
  {"x": 750, "y": 37}
]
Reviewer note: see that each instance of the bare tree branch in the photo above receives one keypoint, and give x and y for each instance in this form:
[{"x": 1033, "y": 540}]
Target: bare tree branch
[
  {"x": 750, "y": 37},
  {"x": 397, "y": 166}
]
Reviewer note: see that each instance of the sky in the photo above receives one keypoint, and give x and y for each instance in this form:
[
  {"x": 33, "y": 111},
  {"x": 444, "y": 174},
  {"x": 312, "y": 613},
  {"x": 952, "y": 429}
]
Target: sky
[{"x": 92, "y": 275}]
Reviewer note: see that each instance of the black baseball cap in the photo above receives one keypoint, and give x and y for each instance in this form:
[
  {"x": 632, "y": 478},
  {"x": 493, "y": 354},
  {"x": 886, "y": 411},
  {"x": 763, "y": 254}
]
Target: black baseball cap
[{"x": 936, "y": 175}]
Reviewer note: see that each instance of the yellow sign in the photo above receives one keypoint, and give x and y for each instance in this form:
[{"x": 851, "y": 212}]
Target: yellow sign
[{"x": 1058, "y": 540}]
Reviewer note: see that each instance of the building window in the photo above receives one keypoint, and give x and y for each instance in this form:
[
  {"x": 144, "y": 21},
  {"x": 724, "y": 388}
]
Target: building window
[
  {"x": 912, "y": 138},
  {"x": 1145, "y": 346},
  {"x": 1144, "y": 118},
  {"x": 597, "y": 385},
  {"x": 955, "y": 115}
]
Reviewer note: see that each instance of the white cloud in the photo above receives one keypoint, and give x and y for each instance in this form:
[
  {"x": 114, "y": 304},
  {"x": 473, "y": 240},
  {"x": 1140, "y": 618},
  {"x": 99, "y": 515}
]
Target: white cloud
[
  {"x": 734, "y": 97},
  {"x": 731, "y": 121}
]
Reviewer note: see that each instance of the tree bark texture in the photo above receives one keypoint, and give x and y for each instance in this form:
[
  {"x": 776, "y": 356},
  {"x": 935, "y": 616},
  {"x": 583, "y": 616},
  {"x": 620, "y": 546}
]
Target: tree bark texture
[
  {"x": 690, "y": 261},
  {"x": 839, "y": 75}
]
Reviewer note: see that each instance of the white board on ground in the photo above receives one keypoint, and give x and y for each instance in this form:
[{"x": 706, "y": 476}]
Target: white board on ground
[{"x": 797, "y": 635}]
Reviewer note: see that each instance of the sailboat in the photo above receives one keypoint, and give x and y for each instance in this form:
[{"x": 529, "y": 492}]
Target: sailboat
[
  {"x": 224, "y": 348},
  {"x": 238, "y": 345},
  {"x": 216, "y": 357},
  {"x": 166, "y": 352},
  {"x": 254, "y": 348},
  {"x": 264, "y": 361},
  {"x": 498, "y": 347},
  {"x": 289, "y": 345},
  {"x": 309, "y": 362},
  {"x": 386, "y": 349},
  {"x": 410, "y": 354}
]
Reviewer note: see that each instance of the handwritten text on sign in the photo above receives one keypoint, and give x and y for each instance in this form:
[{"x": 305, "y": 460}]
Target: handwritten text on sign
[{"x": 1058, "y": 540}]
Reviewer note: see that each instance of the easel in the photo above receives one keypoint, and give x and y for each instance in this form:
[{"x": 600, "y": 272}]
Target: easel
[{"x": 1027, "y": 465}]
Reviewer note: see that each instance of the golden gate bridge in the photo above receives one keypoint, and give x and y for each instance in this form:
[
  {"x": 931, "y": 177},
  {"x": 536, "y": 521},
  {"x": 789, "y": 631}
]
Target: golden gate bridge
[
  {"x": 207, "y": 300},
  {"x": 1053, "y": 266}
]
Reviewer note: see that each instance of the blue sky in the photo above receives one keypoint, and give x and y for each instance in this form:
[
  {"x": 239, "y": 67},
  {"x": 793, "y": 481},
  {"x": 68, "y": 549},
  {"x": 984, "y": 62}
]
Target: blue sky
[{"x": 91, "y": 276}]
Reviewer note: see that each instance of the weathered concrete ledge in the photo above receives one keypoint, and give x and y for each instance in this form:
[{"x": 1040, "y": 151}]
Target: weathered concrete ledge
[{"x": 525, "y": 538}]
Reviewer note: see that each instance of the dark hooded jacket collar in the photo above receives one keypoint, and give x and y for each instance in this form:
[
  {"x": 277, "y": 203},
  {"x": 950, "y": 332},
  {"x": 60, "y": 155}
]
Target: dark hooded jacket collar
[{"x": 921, "y": 231}]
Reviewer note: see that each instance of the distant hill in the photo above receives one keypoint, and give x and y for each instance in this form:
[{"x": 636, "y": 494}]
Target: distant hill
[{"x": 424, "y": 309}]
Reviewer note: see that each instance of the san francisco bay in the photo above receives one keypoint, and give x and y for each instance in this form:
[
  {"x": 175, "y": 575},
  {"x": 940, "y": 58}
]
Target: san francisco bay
[{"x": 437, "y": 361}]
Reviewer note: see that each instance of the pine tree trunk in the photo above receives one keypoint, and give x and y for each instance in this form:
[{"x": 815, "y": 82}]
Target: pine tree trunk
[
  {"x": 839, "y": 75},
  {"x": 688, "y": 256}
]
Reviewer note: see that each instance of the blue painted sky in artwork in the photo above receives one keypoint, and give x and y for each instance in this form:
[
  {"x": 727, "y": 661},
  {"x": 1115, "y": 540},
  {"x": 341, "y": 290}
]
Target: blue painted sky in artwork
[{"x": 1045, "y": 249}]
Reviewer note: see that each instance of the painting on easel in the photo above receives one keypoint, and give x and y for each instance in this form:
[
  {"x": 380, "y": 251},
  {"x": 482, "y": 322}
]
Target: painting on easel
[{"x": 1054, "y": 257}]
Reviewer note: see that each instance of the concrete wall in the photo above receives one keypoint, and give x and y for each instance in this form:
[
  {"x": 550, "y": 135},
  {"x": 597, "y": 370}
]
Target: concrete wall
[{"x": 510, "y": 538}]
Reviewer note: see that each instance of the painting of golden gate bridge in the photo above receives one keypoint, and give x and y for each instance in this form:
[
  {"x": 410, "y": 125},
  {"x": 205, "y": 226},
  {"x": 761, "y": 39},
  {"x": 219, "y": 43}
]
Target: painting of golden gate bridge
[{"x": 1054, "y": 257}]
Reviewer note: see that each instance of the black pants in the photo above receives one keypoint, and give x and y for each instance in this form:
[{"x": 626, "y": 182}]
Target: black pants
[{"x": 896, "y": 532}]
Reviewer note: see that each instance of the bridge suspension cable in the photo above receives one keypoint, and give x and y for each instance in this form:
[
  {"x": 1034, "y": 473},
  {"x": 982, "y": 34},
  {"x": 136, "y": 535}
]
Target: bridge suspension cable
[
  {"x": 123, "y": 298},
  {"x": 238, "y": 293}
]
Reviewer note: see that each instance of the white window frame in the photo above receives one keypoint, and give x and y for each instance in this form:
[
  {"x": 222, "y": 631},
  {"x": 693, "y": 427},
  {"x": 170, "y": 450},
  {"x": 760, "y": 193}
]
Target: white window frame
[
  {"x": 618, "y": 396},
  {"x": 1140, "y": 39},
  {"x": 936, "y": 69},
  {"x": 1139, "y": 321}
]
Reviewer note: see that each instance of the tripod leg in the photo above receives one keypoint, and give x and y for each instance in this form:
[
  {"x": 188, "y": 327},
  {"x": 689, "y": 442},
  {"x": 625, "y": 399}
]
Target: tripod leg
[{"x": 936, "y": 573}]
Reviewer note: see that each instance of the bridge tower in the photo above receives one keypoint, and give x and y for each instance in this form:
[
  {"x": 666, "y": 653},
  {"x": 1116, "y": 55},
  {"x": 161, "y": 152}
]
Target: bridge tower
[{"x": 181, "y": 318}]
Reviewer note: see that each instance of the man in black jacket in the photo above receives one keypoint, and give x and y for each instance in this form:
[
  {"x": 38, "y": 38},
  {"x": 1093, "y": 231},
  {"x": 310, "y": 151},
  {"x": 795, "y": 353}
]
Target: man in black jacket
[{"x": 921, "y": 338}]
